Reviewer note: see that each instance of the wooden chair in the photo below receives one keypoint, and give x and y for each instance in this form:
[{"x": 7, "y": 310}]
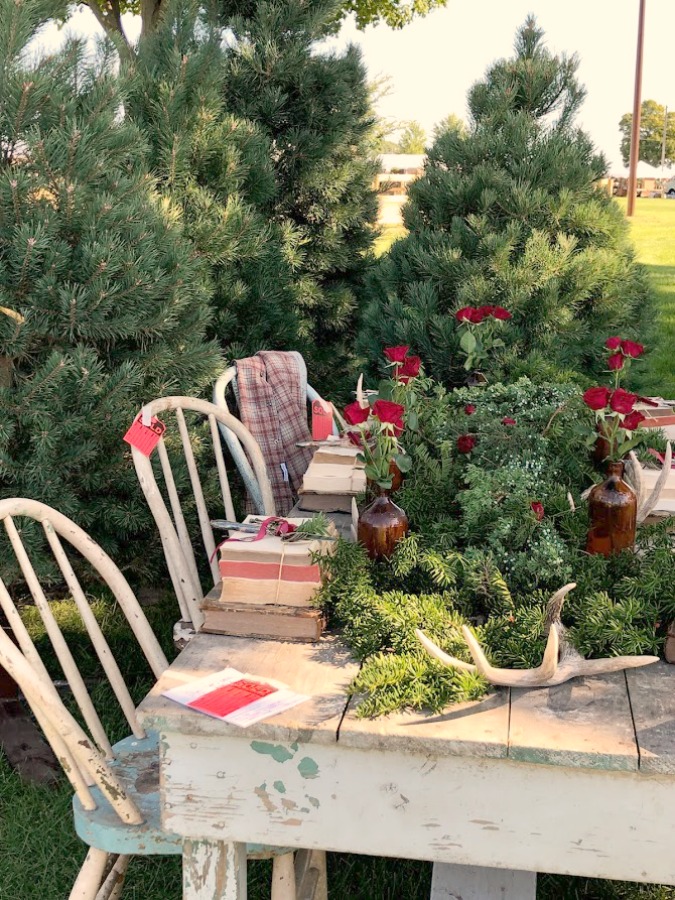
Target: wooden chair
[
  {"x": 233, "y": 440},
  {"x": 116, "y": 803},
  {"x": 173, "y": 530}
]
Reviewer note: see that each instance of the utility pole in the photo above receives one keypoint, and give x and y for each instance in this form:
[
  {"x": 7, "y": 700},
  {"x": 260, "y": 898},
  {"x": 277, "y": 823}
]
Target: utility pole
[
  {"x": 663, "y": 143},
  {"x": 637, "y": 108}
]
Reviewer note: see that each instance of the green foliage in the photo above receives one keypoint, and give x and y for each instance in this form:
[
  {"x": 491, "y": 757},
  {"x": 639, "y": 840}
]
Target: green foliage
[
  {"x": 109, "y": 302},
  {"x": 264, "y": 141},
  {"x": 507, "y": 213},
  {"x": 653, "y": 117},
  {"x": 413, "y": 138},
  {"x": 480, "y": 555}
]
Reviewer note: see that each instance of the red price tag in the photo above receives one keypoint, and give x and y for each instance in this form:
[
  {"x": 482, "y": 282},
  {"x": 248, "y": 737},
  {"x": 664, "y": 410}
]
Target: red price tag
[
  {"x": 145, "y": 437},
  {"x": 231, "y": 697}
]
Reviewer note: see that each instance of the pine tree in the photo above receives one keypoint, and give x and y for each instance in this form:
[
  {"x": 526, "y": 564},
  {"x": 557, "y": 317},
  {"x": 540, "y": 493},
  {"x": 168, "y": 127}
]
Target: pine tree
[
  {"x": 507, "y": 213},
  {"x": 104, "y": 304},
  {"x": 218, "y": 167},
  {"x": 314, "y": 107}
]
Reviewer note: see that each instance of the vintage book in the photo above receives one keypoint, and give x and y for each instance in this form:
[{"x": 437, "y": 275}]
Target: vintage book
[
  {"x": 334, "y": 478},
  {"x": 271, "y": 570},
  {"x": 286, "y": 623},
  {"x": 328, "y": 503}
]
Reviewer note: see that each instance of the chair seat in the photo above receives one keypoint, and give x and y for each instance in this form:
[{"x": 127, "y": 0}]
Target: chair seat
[{"x": 136, "y": 764}]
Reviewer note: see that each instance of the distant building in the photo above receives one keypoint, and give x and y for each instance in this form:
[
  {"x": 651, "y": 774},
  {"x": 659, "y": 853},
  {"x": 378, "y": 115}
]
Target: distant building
[{"x": 397, "y": 172}]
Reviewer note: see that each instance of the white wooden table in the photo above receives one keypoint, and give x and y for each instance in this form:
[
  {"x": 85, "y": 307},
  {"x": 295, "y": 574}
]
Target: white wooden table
[{"x": 576, "y": 779}]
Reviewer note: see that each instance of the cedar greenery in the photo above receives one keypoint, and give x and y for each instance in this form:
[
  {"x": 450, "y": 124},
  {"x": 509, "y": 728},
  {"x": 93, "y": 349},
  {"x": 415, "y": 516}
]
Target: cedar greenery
[{"x": 479, "y": 554}]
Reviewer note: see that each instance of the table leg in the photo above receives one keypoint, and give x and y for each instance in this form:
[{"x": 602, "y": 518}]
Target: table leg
[
  {"x": 451, "y": 882},
  {"x": 213, "y": 870}
]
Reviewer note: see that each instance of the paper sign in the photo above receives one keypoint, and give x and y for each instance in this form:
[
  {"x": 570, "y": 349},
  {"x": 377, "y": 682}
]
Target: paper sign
[
  {"x": 145, "y": 437},
  {"x": 231, "y": 697},
  {"x": 236, "y": 698}
]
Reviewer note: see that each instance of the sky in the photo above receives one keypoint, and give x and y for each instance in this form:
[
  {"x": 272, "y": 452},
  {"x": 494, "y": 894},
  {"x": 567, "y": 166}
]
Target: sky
[{"x": 433, "y": 62}]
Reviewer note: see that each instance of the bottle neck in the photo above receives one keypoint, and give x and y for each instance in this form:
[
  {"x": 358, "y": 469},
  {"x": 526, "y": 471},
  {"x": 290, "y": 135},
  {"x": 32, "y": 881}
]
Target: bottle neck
[{"x": 615, "y": 469}]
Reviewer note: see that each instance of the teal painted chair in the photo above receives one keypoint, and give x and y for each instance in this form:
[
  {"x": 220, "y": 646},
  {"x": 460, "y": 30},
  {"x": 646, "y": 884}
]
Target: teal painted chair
[{"x": 116, "y": 802}]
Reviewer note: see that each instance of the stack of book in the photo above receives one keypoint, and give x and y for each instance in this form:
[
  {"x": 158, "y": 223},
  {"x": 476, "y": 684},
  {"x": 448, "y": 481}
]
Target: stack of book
[
  {"x": 268, "y": 588},
  {"x": 333, "y": 478}
]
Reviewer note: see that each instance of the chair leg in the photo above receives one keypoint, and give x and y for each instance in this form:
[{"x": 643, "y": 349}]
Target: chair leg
[
  {"x": 91, "y": 875},
  {"x": 283, "y": 877},
  {"x": 310, "y": 875},
  {"x": 111, "y": 889}
]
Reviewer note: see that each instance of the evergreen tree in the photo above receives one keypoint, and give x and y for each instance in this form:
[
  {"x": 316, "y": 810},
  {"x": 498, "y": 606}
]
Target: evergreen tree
[
  {"x": 314, "y": 108},
  {"x": 219, "y": 168},
  {"x": 104, "y": 303},
  {"x": 507, "y": 214}
]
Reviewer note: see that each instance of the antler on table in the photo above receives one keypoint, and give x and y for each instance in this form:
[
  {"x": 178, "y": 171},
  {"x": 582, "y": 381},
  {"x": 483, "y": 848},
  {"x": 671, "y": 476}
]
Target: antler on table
[
  {"x": 647, "y": 502},
  {"x": 560, "y": 663}
]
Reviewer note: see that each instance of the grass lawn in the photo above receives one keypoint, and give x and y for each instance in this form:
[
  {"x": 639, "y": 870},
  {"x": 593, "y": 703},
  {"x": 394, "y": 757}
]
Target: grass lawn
[{"x": 653, "y": 232}]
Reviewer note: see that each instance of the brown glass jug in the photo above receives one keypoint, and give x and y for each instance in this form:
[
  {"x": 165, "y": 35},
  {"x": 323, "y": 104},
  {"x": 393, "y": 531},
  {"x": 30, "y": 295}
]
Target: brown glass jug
[
  {"x": 382, "y": 524},
  {"x": 612, "y": 508}
]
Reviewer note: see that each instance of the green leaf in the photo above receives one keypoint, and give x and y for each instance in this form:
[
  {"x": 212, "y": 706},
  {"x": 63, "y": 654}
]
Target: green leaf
[
  {"x": 467, "y": 342},
  {"x": 412, "y": 420},
  {"x": 385, "y": 388},
  {"x": 404, "y": 462}
]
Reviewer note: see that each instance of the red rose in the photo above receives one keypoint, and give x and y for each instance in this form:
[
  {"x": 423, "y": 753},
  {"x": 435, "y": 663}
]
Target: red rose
[
  {"x": 507, "y": 421},
  {"x": 487, "y": 310},
  {"x": 615, "y": 361},
  {"x": 500, "y": 313},
  {"x": 466, "y": 443},
  {"x": 357, "y": 438},
  {"x": 354, "y": 415},
  {"x": 469, "y": 409},
  {"x": 396, "y": 354},
  {"x": 465, "y": 314},
  {"x": 411, "y": 367},
  {"x": 477, "y": 315},
  {"x": 613, "y": 343},
  {"x": 632, "y": 349},
  {"x": 633, "y": 420},
  {"x": 389, "y": 413},
  {"x": 621, "y": 401},
  {"x": 597, "y": 397},
  {"x": 538, "y": 509}
]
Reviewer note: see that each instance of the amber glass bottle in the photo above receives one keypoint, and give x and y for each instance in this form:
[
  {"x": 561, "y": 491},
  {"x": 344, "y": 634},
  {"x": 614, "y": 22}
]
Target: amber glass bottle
[
  {"x": 382, "y": 524},
  {"x": 612, "y": 508}
]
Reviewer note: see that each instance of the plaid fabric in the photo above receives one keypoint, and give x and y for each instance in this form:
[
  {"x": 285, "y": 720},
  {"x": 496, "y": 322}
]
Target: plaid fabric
[{"x": 272, "y": 395}]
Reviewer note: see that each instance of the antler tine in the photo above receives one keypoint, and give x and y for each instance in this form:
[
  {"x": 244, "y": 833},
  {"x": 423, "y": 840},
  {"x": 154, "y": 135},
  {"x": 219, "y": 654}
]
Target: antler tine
[
  {"x": 516, "y": 677},
  {"x": 360, "y": 396},
  {"x": 441, "y": 655},
  {"x": 555, "y": 604},
  {"x": 636, "y": 479},
  {"x": 650, "y": 502}
]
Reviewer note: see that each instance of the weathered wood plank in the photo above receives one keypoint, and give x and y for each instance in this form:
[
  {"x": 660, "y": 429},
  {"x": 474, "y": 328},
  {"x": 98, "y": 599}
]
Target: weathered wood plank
[
  {"x": 461, "y": 810},
  {"x": 652, "y": 698},
  {"x": 585, "y": 722},
  {"x": 465, "y": 729},
  {"x": 214, "y": 871},
  {"x": 322, "y": 670},
  {"x": 450, "y": 882}
]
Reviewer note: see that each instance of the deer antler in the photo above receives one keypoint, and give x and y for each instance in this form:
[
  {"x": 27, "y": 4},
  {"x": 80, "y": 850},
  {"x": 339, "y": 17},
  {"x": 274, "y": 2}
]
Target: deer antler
[
  {"x": 646, "y": 503},
  {"x": 560, "y": 663}
]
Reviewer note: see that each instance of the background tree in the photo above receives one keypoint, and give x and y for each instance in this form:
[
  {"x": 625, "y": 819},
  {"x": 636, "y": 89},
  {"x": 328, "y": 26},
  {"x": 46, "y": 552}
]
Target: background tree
[
  {"x": 109, "y": 301},
  {"x": 413, "y": 138},
  {"x": 652, "y": 119},
  {"x": 395, "y": 13},
  {"x": 450, "y": 123},
  {"x": 314, "y": 108},
  {"x": 508, "y": 214}
]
